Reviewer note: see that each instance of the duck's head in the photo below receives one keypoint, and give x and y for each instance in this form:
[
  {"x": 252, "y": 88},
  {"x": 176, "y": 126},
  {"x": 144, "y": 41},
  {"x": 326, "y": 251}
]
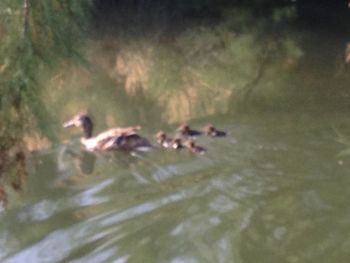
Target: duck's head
[
  {"x": 161, "y": 136},
  {"x": 82, "y": 121},
  {"x": 183, "y": 128},
  {"x": 209, "y": 129}
]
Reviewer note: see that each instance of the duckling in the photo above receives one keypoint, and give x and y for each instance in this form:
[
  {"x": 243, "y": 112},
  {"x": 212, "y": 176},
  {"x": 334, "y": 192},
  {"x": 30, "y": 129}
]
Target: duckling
[
  {"x": 163, "y": 139},
  {"x": 112, "y": 139},
  {"x": 167, "y": 142},
  {"x": 193, "y": 148},
  {"x": 185, "y": 130},
  {"x": 177, "y": 143},
  {"x": 211, "y": 131}
]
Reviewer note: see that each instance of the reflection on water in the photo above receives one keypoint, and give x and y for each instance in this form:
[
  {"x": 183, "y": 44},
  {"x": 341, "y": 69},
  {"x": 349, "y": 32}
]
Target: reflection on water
[
  {"x": 84, "y": 162},
  {"x": 261, "y": 194}
]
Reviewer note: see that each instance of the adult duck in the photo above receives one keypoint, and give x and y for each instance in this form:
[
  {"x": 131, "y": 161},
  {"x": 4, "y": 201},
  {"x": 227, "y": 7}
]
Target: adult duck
[{"x": 112, "y": 139}]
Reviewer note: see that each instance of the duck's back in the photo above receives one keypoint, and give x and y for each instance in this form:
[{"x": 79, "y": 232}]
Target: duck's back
[
  {"x": 128, "y": 142},
  {"x": 116, "y": 132}
]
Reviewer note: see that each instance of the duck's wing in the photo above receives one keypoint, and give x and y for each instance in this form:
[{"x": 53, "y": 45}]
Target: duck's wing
[
  {"x": 220, "y": 133},
  {"x": 127, "y": 142},
  {"x": 116, "y": 132},
  {"x": 195, "y": 133},
  {"x": 136, "y": 142}
]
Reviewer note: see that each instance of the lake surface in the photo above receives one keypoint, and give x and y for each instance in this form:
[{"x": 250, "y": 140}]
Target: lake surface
[{"x": 274, "y": 190}]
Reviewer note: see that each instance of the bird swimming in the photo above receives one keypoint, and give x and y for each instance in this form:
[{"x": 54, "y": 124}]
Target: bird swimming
[
  {"x": 167, "y": 142},
  {"x": 113, "y": 139},
  {"x": 193, "y": 148},
  {"x": 185, "y": 130},
  {"x": 211, "y": 131}
]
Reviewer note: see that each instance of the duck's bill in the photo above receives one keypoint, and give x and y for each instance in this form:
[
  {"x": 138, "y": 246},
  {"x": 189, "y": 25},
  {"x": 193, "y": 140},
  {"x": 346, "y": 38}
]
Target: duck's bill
[{"x": 68, "y": 124}]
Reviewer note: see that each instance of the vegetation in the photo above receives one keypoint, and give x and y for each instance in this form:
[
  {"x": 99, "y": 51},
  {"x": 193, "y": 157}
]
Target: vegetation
[
  {"x": 183, "y": 59},
  {"x": 205, "y": 51},
  {"x": 33, "y": 35}
]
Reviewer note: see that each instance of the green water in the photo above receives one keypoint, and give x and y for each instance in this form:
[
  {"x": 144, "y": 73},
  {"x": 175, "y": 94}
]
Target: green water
[{"x": 273, "y": 190}]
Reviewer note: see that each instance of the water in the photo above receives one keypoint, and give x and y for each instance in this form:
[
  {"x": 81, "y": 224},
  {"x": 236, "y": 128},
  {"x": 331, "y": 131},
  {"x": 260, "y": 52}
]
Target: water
[{"x": 273, "y": 190}]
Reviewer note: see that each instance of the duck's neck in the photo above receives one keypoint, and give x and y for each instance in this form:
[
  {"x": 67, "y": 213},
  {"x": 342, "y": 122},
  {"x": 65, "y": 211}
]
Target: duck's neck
[
  {"x": 87, "y": 134},
  {"x": 87, "y": 130}
]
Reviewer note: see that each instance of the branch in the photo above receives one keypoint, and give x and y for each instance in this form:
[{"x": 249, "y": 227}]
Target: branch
[
  {"x": 25, "y": 18},
  {"x": 249, "y": 87}
]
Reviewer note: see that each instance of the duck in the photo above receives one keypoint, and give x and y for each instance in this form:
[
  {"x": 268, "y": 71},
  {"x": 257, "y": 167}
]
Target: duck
[
  {"x": 193, "y": 148},
  {"x": 185, "y": 130},
  {"x": 211, "y": 131},
  {"x": 177, "y": 143},
  {"x": 167, "y": 142},
  {"x": 163, "y": 139},
  {"x": 113, "y": 139}
]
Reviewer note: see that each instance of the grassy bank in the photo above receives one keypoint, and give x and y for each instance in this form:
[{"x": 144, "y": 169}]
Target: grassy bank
[{"x": 176, "y": 73}]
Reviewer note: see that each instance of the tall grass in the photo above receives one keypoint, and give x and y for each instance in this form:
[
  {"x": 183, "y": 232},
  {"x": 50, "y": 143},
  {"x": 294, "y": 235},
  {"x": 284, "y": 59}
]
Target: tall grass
[
  {"x": 183, "y": 69},
  {"x": 33, "y": 35}
]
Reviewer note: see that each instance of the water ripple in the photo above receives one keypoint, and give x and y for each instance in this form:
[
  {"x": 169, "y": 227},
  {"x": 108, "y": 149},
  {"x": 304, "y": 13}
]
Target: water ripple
[{"x": 142, "y": 209}]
